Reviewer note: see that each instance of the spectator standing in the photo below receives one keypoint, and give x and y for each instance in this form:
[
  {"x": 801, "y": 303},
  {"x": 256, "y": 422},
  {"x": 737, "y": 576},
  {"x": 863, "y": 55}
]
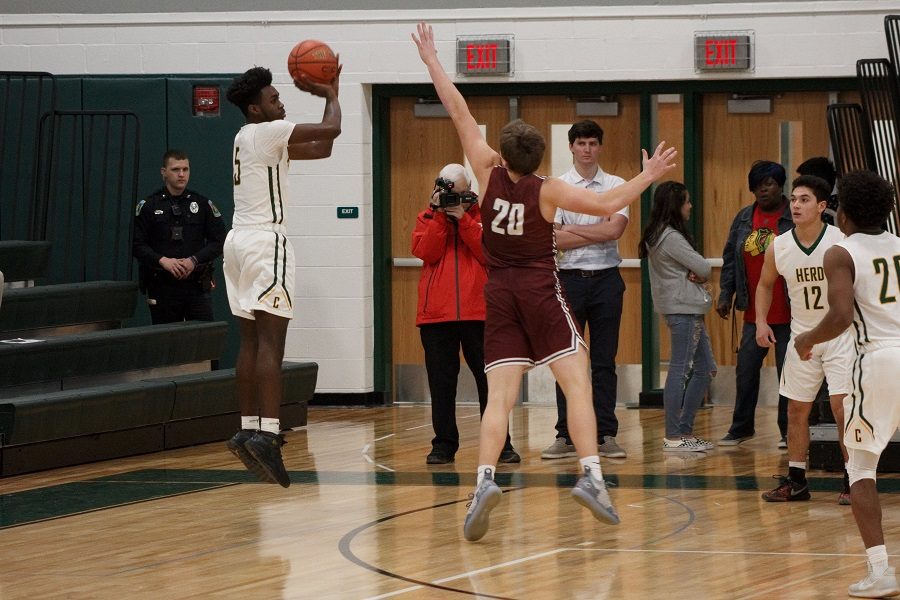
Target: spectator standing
[{"x": 589, "y": 274}]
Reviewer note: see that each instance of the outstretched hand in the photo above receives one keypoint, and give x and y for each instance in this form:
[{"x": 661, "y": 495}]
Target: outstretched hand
[
  {"x": 425, "y": 42},
  {"x": 660, "y": 163},
  {"x": 323, "y": 90}
]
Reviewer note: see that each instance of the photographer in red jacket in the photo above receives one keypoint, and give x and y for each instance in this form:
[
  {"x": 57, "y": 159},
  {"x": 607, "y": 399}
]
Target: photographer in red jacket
[{"x": 451, "y": 304}]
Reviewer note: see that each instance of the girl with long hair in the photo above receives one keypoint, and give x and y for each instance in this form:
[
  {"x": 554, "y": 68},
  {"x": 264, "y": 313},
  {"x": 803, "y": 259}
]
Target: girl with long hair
[{"x": 677, "y": 275}]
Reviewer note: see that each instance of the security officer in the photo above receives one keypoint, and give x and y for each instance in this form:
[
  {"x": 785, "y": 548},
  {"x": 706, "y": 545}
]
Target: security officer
[{"x": 177, "y": 235}]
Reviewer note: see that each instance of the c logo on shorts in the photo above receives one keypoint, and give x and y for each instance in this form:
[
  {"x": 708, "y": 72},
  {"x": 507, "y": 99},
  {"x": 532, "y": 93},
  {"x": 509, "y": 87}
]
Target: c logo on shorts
[
  {"x": 275, "y": 301},
  {"x": 858, "y": 435}
]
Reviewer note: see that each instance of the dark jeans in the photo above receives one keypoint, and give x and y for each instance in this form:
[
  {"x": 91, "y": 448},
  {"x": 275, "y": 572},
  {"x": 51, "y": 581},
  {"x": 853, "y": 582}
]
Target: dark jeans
[
  {"x": 179, "y": 303},
  {"x": 750, "y": 358},
  {"x": 597, "y": 302},
  {"x": 441, "y": 342}
]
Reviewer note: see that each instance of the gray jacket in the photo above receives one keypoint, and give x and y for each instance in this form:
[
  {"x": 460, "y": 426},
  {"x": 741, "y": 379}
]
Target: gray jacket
[{"x": 670, "y": 261}]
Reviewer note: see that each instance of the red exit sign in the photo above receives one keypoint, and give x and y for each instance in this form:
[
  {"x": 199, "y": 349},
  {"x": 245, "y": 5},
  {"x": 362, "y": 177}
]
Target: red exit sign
[
  {"x": 484, "y": 55},
  {"x": 723, "y": 51}
]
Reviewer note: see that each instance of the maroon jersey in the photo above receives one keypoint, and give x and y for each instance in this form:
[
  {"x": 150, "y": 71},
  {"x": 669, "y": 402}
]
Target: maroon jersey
[{"x": 515, "y": 232}]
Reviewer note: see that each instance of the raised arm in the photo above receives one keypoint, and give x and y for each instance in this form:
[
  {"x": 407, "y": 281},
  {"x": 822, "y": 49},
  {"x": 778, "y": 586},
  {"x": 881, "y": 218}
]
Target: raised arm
[
  {"x": 310, "y": 141},
  {"x": 556, "y": 192},
  {"x": 481, "y": 156}
]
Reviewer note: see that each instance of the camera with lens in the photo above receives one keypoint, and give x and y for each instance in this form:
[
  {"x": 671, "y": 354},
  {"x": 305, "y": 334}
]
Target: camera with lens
[{"x": 448, "y": 198}]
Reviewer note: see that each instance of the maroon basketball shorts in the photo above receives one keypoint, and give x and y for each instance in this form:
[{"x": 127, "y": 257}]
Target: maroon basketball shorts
[{"x": 528, "y": 321}]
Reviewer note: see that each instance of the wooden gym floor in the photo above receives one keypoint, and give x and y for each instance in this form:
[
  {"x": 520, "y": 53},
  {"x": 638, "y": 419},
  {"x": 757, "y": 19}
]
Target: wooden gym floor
[{"x": 365, "y": 518}]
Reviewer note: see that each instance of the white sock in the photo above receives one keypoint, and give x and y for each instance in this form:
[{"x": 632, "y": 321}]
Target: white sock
[
  {"x": 481, "y": 470},
  {"x": 251, "y": 423},
  {"x": 797, "y": 464},
  {"x": 270, "y": 425},
  {"x": 593, "y": 465},
  {"x": 878, "y": 559}
]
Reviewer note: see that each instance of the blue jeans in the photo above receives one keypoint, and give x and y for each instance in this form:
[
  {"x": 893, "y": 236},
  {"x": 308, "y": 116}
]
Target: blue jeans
[
  {"x": 750, "y": 359},
  {"x": 690, "y": 370}
]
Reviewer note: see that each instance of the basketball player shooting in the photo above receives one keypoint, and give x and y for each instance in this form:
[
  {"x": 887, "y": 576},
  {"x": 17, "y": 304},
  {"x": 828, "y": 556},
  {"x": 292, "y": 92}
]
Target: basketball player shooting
[
  {"x": 259, "y": 258},
  {"x": 528, "y": 322}
]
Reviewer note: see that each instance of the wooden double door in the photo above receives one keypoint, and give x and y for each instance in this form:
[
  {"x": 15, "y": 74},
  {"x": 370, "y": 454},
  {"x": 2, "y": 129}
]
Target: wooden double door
[{"x": 724, "y": 145}]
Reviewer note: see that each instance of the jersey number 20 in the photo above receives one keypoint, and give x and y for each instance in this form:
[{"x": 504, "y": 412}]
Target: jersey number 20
[{"x": 512, "y": 214}]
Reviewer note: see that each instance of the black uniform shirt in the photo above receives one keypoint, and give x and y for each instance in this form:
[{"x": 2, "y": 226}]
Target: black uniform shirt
[{"x": 177, "y": 227}]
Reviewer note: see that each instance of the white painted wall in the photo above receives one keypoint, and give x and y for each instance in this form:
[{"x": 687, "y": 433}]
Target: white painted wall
[{"x": 334, "y": 307}]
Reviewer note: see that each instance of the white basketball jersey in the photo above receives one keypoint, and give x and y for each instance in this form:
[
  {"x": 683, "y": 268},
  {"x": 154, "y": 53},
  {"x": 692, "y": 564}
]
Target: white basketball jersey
[
  {"x": 802, "y": 270},
  {"x": 260, "y": 173},
  {"x": 876, "y": 289}
]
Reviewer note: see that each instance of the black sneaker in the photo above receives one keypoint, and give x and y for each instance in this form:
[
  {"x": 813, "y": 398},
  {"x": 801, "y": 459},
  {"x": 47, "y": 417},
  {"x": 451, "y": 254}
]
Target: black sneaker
[
  {"x": 265, "y": 447},
  {"x": 510, "y": 456},
  {"x": 436, "y": 457},
  {"x": 236, "y": 446}
]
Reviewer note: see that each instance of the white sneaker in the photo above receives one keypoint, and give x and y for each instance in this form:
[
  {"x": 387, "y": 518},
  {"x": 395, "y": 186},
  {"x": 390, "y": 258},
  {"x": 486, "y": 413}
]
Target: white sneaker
[
  {"x": 484, "y": 499},
  {"x": 705, "y": 444},
  {"x": 876, "y": 586},
  {"x": 681, "y": 445}
]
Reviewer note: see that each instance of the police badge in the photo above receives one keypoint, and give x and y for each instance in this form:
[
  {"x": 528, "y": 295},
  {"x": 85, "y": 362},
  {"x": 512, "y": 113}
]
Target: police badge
[{"x": 194, "y": 207}]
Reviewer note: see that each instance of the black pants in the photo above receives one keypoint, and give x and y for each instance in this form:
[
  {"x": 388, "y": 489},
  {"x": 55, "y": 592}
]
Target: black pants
[
  {"x": 442, "y": 342},
  {"x": 597, "y": 302},
  {"x": 750, "y": 358},
  {"x": 185, "y": 302}
]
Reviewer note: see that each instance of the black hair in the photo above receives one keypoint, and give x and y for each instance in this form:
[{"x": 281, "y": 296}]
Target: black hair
[
  {"x": 762, "y": 170},
  {"x": 820, "y": 166},
  {"x": 866, "y": 198},
  {"x": 246, "y": 88},
  {"x": 585, "y": 129},
  {"x": 668, "y": 199},
  {"x": 818, "y": 186}
]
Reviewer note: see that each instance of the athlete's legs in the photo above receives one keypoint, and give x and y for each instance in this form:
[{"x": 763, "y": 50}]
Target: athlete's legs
[
  {"x": 798, "y": 430},
  {"x": 572, "y": 375},
  {"x": 245, "y": 368},
  {"x": 866, "y": 506},
  {"x": 837, "y": 409},
  {"x": 271, "y": 331},
  {"x": 503, "y": 389}
]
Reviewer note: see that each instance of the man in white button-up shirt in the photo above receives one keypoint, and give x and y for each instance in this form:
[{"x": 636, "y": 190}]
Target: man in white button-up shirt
[{"x": 589, "y": 273}]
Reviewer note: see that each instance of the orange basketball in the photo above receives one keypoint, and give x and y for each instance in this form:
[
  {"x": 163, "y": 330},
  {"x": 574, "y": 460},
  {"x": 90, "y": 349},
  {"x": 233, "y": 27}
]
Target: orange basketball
[{"x": 314, "y": 59}]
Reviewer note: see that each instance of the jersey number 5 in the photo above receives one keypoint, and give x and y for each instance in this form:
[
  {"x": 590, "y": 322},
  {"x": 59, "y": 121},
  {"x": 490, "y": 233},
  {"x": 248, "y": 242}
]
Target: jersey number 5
[
  {"x": 237, "y": 167},
  {"x": 513, "y": 214}
]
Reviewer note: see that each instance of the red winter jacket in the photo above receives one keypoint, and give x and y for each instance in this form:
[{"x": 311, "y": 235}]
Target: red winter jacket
[{"x": 451, "y": 287}]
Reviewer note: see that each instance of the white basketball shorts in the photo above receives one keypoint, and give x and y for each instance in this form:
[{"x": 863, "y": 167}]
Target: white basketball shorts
[
  {"x": 831, "y": 360},
  {"x": 871, "y": 410},
  {"x": 259, "y": 272}
]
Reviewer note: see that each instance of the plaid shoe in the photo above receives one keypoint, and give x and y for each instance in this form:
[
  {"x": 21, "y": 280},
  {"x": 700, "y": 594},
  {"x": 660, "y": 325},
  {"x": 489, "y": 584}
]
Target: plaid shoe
[
  {"x": 484, "y": 499},
  {"x": 787, "y": 491},
  {"x": 265, "y": 447},
  {"x": 682, "y": 445}
]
